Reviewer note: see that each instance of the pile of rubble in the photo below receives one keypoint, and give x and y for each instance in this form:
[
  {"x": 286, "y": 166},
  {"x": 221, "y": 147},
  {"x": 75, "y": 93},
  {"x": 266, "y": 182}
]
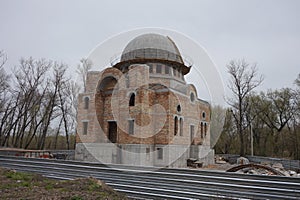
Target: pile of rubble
[
  {"x": 244, "y": 166},
  {"x": 279, "y": 167}
]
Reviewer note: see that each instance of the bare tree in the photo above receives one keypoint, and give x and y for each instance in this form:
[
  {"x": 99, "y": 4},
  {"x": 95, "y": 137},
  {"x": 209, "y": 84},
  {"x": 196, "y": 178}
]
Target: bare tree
[
  {"x": 274, "y": 110},
  {"x": 67, "y": 103},
  {"x": 281, "y": 108},
  {"x": 228, "y": 139},
  {"x": 32, "y": 87},
  {"x": 296, "y": 121},
  {"x": 5, "y": 102},
  {"x": 218, "y": 114},
  {"x": 52, "y": 111},
  {"x": 297, "y": 81},
  {"x": 4, "y": 77},
  {"x": 243, "y": 79},
  {"x": 34, "y": 100},
  {"x": 82, "y": 70},
  {"x": 64, "y": 109}
]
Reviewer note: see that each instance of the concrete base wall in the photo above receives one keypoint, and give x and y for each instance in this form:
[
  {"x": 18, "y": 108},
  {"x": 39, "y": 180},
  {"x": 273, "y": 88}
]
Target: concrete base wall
[
  {"x": 173, "y": 156},
  {"x": 204, "y": 154}
]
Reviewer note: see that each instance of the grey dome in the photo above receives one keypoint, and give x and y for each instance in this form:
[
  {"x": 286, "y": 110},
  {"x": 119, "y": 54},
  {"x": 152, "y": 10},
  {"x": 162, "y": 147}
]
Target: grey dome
[{"x": 151, "y": 46}]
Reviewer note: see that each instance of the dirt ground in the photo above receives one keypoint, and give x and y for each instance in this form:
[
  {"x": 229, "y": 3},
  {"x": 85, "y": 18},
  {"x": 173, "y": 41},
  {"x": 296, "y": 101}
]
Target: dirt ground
[
  {"x": 218, "y": 167},
  {"x": 16, "y": 185}
]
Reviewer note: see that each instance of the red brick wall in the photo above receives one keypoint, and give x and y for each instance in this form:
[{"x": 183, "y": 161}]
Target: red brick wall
[{"x": 144, "y": 112}]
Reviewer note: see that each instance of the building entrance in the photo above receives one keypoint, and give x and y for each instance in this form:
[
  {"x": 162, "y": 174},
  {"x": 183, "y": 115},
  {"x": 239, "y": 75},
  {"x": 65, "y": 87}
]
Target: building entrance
[{"x": 112, "y": 131}]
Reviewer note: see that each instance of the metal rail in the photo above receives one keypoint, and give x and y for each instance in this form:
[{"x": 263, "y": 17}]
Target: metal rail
[{"x": 156, "y": 183}]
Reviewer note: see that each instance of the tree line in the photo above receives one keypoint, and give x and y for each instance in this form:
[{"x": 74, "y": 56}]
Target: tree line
[
  {"x": 38, "y": 109},
  {"x": 38, "y": 104},
  {"x": 270, "y": 119}
]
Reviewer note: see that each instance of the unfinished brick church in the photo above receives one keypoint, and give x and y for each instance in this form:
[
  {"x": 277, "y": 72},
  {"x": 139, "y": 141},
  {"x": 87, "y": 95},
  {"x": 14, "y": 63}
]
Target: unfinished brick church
[{"x": 141, "y": 111}]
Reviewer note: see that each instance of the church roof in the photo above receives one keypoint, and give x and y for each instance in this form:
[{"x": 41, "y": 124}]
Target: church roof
[{"x": 152, "y": 47}]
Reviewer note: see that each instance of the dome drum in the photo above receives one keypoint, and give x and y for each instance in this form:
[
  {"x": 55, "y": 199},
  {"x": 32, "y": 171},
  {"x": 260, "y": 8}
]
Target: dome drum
[{"x": 150, "y": 53}]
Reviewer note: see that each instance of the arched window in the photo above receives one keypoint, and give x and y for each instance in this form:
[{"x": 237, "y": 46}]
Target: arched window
[
  {"x": 132, "y": 99},
  {"x": 178, "y": 108},
  {"x": 176, "y": 125},
  {"x": 201, "y": 128},
  {"x": 192, "y": 96},
  {"x": 205, "y": 129},
  {"x": 181, "y": 127},
  {"x": 86, "y": 102}
]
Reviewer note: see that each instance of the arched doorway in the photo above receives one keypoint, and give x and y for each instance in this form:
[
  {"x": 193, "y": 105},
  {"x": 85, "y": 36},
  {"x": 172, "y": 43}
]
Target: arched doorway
[{"x": 103, "y": 108}]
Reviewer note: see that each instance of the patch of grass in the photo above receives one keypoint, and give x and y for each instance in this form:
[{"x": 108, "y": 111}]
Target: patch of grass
[
  {"x": 63, "y": 190},
  {"x": 19, "y": 176},
  {"x": 9, "y": 185},
  {"x": 76, "y": 198},
  {"x": 94, "y": 186},
  {"x": 49, "y": 187},
  {"x": 18, "y": 185},
  {"x": 25, "y": 184},
  {"x": 20, "y": 179}
]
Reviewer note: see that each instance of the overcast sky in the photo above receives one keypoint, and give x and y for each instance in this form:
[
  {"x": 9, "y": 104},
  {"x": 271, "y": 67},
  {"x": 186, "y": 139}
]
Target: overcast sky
[{"x": 265, "y": 32}]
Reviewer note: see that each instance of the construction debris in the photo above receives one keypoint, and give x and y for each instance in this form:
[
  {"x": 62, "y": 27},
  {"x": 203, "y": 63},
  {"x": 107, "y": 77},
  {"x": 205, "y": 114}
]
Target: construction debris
[
  {"x": 191, "y": 162},
  {"x": 244, "y": 166},
  {"x": 242, "y": 161}
]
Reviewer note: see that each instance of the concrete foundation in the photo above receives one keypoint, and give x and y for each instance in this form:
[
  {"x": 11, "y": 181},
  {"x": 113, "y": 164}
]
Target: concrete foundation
[{"x": 173, "y": 156}]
